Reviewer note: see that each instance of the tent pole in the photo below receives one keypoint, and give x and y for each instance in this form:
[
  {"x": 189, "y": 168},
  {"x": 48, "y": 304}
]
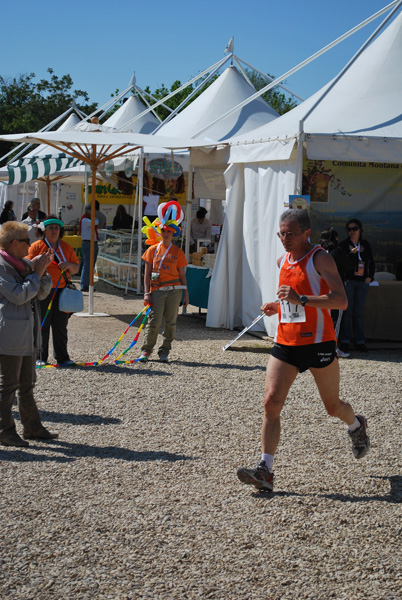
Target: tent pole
[
  {"x": 92, "y": 246},
  {"x": 132, "y": 236},
  {"x": 299, "y": 160},
  {"x": 180, "y": 89},
  {"x": 188, "y": 209},
  {"x": 305, "y": 62},
  {"x": 140, "y": 186},
  {"x": 48, "y": 194}
]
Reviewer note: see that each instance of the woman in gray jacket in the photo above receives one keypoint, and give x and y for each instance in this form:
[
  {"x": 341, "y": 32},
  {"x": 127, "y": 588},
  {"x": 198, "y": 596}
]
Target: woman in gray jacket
[{"x": 22, "y": 284}]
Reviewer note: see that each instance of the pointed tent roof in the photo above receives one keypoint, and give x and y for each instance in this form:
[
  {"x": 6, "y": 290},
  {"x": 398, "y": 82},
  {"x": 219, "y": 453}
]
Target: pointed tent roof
[
  {"x": 130, "y": 109},
  {"x": 359, "y": 119},
  {"x": 228, "y": 90},
  {"x": 43, "y": 149}
]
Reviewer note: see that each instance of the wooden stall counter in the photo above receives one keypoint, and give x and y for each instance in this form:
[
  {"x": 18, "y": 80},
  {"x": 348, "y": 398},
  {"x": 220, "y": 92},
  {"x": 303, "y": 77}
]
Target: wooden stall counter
[
  {"x": 382, "y": 315},
  {"x": 198, "y": 285}
]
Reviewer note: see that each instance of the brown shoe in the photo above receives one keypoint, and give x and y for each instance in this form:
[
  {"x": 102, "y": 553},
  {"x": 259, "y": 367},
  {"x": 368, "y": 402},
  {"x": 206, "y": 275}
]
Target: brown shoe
[
  {"x": 12, "y": 438},
  {"x": 40, "y": 434}
]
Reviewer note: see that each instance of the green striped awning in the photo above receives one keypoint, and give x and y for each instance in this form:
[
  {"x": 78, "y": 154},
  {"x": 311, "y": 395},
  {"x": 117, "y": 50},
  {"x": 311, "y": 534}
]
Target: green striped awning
[{"x": 39, "y": 166}]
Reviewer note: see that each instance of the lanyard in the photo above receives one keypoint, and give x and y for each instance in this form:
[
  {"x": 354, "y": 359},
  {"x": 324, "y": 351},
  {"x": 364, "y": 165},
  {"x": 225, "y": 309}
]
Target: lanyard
[
  {"x": 358, "y": 249},
  {"x": 55, "y": 252},
  {"x": 163, "y": 257}
]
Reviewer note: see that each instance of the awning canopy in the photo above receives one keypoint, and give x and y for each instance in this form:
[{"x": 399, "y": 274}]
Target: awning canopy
[{"x": 72, "y": 147}]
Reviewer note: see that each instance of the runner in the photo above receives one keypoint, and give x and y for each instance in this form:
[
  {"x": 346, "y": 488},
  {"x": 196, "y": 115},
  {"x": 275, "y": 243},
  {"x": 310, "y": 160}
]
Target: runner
[{"x": 309, "y": 287}]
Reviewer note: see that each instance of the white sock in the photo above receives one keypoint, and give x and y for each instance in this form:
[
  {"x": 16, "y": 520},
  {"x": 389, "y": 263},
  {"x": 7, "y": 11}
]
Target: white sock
[
  {"x": 269, "y": 460},
  {"x": 354, "y": 425}
]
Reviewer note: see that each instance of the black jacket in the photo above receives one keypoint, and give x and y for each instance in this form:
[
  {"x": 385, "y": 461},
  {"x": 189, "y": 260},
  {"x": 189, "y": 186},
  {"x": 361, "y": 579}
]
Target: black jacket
[{"x": 366, "y": 255}]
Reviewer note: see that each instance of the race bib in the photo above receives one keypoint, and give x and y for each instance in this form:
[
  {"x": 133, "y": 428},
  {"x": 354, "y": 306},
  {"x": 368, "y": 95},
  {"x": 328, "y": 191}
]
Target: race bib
[
  {"x": 292, "y": 313},
  {"x": 360, "y": 268}
]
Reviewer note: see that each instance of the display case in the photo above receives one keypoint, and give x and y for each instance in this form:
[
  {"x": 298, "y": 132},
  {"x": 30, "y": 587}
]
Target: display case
[{"x": 117, "y": 261}]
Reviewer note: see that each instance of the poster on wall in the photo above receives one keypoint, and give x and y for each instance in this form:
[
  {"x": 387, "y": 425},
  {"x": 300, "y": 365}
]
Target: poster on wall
[
  {"x": 107, "y": 193},
  {"x": 368, "y": 191},
  {"x": 299, "y": 201}
]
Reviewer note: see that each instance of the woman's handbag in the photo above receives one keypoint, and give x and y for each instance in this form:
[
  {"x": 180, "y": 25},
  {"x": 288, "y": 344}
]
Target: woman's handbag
[{"x": 71, "y": 299}]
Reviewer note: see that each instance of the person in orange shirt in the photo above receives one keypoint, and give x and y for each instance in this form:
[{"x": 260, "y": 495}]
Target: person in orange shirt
[
  {"x": 164, "y": 282},
  {"x": 309, "y": 287},
  {"x": 64, "y": 259}
]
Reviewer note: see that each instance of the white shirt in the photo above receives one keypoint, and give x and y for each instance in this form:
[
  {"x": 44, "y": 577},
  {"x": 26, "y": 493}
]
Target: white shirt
[{"x": 86, "y": 229}]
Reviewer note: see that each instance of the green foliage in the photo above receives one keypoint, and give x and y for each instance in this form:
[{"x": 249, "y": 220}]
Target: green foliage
[
  {"x": 275, "y": 98},
  {"x": 27, "y": 105}
]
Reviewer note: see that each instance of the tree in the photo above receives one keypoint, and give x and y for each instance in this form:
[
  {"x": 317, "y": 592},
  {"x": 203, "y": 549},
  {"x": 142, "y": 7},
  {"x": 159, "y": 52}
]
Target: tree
[
  {"x": 172, "y": 103},
  {"x": 276, "y": 99},
  {"x": 26, "y": 105}
]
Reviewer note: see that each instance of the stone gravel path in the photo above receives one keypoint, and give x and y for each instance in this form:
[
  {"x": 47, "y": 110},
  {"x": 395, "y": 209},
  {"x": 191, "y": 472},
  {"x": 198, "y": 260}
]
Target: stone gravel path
[{"x": 139, "y": 498}]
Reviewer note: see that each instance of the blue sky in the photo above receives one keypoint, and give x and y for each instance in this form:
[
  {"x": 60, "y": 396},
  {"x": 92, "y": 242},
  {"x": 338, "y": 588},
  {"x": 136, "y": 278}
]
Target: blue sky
[{"x": 100, "y": 44}]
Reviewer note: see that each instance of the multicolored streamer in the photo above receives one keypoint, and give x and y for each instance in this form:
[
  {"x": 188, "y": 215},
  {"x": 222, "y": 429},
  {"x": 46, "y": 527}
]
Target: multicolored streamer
[
  {"x": 119, "y": 362},
  {"x": 51, "y": 300},
  {"x": 146, "y": 308}
]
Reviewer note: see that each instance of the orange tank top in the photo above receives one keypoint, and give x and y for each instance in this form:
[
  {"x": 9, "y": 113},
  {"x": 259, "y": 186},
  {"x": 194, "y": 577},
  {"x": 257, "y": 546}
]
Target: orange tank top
[{"x": 317, "y": 327}]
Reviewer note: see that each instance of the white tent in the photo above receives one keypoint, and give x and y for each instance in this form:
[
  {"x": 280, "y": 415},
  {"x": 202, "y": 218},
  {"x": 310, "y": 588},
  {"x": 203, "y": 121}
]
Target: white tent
[
  {"x": 227, "y": 91},
  {"x": 358, "y": 119},
  {"x": 132, "y": 108}
]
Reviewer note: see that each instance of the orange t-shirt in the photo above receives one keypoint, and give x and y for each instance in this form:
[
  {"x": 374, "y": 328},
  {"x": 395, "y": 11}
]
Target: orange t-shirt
[
  {"x": 305, "y": 280},
  {"x": 167, "y": 267},
  {"x": 40, "y": 247}
]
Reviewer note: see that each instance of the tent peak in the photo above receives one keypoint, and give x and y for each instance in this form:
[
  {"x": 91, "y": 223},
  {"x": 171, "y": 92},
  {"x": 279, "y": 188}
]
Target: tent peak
[{"x": 230, "y": 46}]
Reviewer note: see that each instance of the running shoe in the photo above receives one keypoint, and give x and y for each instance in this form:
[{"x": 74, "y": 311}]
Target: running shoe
[
  {"x": 261, "y": 477},
  {"x": 41, "y": 363},
  {"x": 341, "y": 354},
  {"x": 163, "y": 357},
  {"x": 144, "y": 357},
  {"x": 360, "y": 439}
]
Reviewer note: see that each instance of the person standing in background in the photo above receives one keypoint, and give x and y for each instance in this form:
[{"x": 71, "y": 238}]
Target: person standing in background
[
  {"x": 330, "y": 242},
  {"x": 100, "y": 216},
  {"x": 22, "y": 284},
  {"x": 85, "y": 232},
  {"x": 200, "y": 228},
  {"x": 7, "y": 213},
  {"x": 65, "y": 260},
  {"x": 357, "y": 280}
]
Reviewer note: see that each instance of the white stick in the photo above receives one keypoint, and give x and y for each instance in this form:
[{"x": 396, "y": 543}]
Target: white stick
[{"x": 244, "y": 331}]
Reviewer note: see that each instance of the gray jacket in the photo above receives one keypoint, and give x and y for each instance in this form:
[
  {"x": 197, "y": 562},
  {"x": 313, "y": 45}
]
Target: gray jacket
[{"x": 20, "y": 317}]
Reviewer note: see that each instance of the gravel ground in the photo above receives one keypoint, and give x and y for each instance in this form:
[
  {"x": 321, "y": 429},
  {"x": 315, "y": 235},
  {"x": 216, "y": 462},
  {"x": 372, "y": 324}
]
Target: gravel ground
[{"x": 139, "y": 498}]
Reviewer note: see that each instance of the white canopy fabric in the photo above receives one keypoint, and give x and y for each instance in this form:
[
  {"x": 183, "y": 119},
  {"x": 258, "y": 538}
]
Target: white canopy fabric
[
  {"x": 360, "y": 119},
  {"x": 28, "y": 167},
  {"x": 100, "y": 138},
  {"x": 227, "y": 91},
  {"x": 133, "y": 107}
]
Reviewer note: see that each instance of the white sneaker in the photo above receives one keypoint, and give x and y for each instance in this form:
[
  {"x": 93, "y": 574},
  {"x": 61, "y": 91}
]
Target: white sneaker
[
  {"x": 40, "y": 363},
  {"x": 341, "y": 354}
]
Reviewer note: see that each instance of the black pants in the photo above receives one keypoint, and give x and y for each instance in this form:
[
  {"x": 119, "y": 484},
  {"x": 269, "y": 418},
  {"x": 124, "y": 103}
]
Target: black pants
[{"x": 57, "y": 320}]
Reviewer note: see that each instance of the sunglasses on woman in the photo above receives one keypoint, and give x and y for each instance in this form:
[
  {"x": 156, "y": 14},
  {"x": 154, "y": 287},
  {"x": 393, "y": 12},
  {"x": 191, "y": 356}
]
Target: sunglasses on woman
[{"x": 353, "y": 228}]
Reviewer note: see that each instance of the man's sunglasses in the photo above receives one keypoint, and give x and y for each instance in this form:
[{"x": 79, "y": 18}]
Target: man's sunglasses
[
  {"x": 26, "y": 240},
  {"x": 353, "y": 228}
]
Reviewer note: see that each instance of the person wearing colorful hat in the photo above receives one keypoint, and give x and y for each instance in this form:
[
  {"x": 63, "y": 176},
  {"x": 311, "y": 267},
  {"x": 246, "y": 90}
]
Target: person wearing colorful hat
[
  {"x": 164, "y": 283},
  {"x": 66, "y": 260}
]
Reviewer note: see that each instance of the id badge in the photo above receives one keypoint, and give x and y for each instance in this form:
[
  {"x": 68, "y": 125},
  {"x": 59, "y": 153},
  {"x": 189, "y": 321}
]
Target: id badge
[
  {"x": 155, "y": 277},
  {"x": 292, "y": 313},
  {"x": 360, "y": 268}
]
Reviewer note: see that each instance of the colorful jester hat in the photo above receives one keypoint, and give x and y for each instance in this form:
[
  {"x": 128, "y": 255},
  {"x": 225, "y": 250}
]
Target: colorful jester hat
[{"x": 170, "y": 215}]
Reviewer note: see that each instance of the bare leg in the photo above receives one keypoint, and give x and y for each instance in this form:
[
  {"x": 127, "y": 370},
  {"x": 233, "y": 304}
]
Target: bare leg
[
  {"x": 278, "y": 380},
  {"x": 327, "y": 380}
]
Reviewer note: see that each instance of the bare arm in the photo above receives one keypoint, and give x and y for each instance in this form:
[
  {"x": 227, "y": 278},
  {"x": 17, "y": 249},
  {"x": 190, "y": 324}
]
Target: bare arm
[{"x": 336, "y": 297}]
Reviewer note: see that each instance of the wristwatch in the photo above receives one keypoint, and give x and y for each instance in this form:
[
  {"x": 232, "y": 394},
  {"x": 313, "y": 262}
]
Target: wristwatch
[{"x": 303, "y": 300}]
